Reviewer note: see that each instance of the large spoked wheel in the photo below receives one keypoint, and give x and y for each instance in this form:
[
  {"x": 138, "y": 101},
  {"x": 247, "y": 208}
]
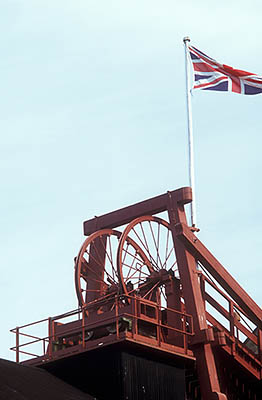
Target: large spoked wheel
[
  {"x": 96, "y": 275},
  {"x": 148, "y": 279}
]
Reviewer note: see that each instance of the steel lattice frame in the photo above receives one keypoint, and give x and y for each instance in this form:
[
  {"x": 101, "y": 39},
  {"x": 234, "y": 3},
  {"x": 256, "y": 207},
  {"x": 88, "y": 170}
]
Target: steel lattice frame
[{"x": 149, "y": 266}]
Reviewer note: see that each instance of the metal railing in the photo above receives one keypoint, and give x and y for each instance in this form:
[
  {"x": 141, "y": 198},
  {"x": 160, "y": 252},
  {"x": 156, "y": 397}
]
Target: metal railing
[
  {"x": 243, "y": 337},
  {"x": 137, "y": 317}
]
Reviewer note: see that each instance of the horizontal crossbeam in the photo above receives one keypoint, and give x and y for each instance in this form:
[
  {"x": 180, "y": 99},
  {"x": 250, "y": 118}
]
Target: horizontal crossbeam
[{"x": 125, "y": 215}]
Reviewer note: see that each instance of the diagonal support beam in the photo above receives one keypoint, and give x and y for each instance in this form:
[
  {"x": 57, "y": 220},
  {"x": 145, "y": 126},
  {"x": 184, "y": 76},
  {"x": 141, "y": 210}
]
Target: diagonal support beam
[{"x": 212, "y": 265}]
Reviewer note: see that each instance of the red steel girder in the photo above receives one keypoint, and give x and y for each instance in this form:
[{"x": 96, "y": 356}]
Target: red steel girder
[
  {"x": 189, "y": 250},
  {"x": 223, "y": 277},
  {"x": 147, "y": 207},
  {"x": 206, "y": 366}
]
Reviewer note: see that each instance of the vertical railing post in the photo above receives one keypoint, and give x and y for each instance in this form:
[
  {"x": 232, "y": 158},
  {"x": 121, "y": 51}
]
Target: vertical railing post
[
  {"x": 117, "y": 319},
  {"x": 184, "y": 333},
  {"x": 232, "y": 327},
  {"x": 83, "y": 328},
  {"x": 158, "y": 326},
  {"x": 133, "y": 313},
  {"x": 136, "y": 314},
  {"x": 50, "y": 337},
  {"x": 17, "y": 344}
]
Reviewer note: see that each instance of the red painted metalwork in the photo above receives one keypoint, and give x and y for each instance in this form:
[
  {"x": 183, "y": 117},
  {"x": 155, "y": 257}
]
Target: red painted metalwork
[
  {"x": 96, "y": 275},
  {"x": 155, "y": 283},
  {"x": 129, "y": 323},
  {"x": 95, "y": 272},
  {"x": 222, "y": 276},
  {"x": 152, "y": 206},
  {"x": 147, "y": 277}
]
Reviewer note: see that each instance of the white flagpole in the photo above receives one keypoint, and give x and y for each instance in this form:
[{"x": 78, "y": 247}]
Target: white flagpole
[{"x": 190, "y": 136}]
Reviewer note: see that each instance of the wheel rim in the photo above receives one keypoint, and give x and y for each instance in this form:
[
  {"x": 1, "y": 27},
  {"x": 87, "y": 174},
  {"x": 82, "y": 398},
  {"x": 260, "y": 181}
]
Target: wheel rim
[
  {"x": 148, "y": 276},
  {"x": 96, "y": 275}
]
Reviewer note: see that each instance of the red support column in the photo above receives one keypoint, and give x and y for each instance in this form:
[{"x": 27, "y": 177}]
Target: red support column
[{"x": 201, "y": 343}]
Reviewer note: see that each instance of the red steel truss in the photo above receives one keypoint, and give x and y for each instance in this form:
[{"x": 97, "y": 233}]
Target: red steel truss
[{"x": 153, "y": 282}]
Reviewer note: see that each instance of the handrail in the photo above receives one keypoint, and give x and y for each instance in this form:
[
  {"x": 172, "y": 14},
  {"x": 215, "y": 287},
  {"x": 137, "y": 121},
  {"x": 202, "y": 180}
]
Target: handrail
[
  {"x": 114, "y": 318},
  {"x": 30, "y": 324},
  {"x": 235, "y": 325},
  {"x": 223, "y": 294}
]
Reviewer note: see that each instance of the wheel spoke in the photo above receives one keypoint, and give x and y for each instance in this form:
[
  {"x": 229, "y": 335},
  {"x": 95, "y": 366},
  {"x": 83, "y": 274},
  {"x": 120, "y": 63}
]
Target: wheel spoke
[
  {"x": 171, "y": 268},
  {"x": 145, "y": 246},
  {"x": 167, "y": 258},
  {"x": 154, "y": 237},
  {"x": 134, "y": 273},
  {"x": 163, "y": 293},
  {"x": 132, "y": 255},
  {"x": 157, "y": 250},
  {"x": 130, "y": 267},
  {"x": 97, "y": 262},
  {"x": 151, "y": 290},
  {"x": 136, "y": 269},
  {"x": 158, "y": 238}
]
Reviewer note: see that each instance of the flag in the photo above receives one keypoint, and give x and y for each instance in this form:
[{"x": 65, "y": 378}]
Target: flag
[{"x": 211, "y": 75}]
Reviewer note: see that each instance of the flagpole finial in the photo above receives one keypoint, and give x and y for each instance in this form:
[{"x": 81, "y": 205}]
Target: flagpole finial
[{"x": 186, "y": 39}]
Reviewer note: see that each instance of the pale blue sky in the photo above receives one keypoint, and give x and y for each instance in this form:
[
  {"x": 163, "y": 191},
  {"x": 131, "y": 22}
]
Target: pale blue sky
[{"x": 93, "y": 118}]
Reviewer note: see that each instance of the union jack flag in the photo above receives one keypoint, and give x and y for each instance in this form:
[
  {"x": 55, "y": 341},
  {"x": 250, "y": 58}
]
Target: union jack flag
[{"x": 211, "y": 75}]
